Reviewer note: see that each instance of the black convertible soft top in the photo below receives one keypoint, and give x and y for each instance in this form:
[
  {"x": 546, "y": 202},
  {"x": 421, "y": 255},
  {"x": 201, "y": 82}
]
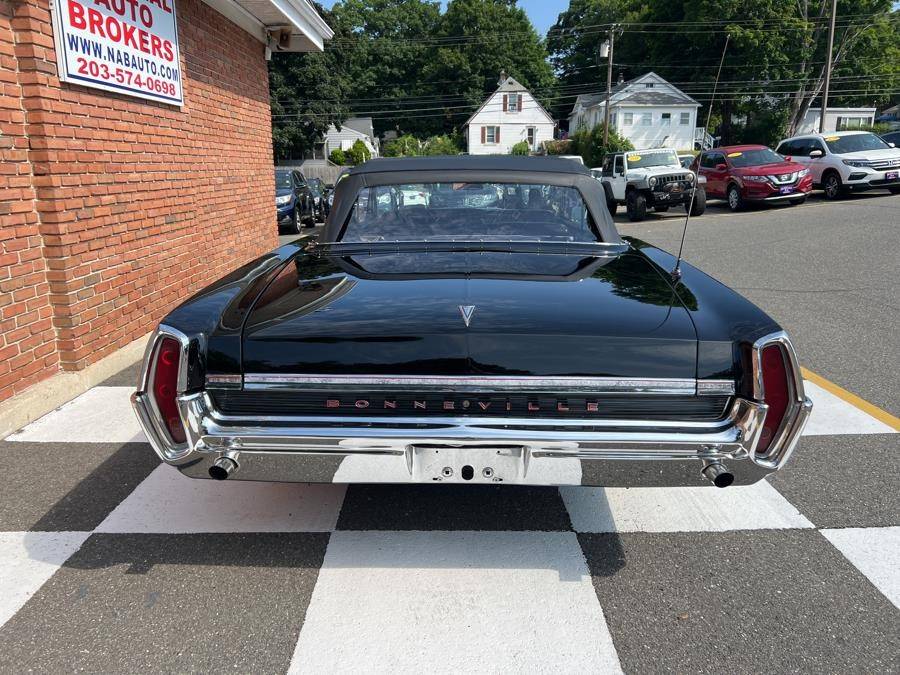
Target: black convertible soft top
[{"x": 470, "y": 169}]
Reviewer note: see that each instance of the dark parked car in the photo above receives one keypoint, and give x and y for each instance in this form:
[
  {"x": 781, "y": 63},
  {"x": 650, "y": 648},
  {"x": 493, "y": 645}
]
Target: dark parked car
[
  {"x": 892, "y": 137},
  {"x": 503, "y": 332},
  {"x": 294, "y": 201},
  {"x": 743, "y": 174}
]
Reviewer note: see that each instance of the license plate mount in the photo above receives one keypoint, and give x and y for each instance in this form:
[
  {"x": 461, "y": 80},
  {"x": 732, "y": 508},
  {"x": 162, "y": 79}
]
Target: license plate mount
[{"x": 468, "y": 463}]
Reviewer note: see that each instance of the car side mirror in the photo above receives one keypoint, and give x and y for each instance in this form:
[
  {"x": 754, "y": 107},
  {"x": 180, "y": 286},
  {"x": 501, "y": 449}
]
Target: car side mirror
[
  {"x": 788, "y": 158},
  {"x": 893, "y": 145},
  {"x": 721, "y": 167},
  {"x": 816, "y": 153}
]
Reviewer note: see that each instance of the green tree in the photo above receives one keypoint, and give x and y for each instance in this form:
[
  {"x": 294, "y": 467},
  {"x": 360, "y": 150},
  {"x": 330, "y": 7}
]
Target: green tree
[
  {"x": 521, "y": 148},
  {"x": 488, "y": 36},
  {"x": 338, "y": 157},
  {"x": 307, "y": 93},
  {"x": 404, "y": 146},
  {"x": 441, "y": 145},
  {"x": 387, "y": 44},
  {"x": 589, "y": 144},
  {"x": 358, "y": 153},
  {"x": 774, "y": 60}
]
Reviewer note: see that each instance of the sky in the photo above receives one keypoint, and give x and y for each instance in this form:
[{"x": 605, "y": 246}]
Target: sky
[{"x": 542, "y": 13}]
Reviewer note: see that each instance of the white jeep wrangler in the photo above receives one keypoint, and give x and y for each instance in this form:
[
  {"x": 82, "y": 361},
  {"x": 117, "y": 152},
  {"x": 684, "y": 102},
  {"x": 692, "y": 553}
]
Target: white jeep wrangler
[{"x": 644, "y": 179}]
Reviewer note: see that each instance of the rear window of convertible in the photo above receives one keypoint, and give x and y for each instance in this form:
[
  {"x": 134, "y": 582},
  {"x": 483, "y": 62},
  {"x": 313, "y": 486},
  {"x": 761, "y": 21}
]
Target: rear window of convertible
[{"x": 470, "y": 211}]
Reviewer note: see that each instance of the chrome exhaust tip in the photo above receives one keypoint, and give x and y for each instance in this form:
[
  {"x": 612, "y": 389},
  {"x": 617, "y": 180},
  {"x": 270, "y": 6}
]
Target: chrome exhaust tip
[
  {"x": 222, "y": 468},
  {"x": 718, "y": 475}
]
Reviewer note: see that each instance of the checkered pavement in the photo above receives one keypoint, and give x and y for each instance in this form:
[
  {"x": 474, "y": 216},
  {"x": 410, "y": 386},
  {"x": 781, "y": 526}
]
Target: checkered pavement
[{"x": 112, "y": 562}]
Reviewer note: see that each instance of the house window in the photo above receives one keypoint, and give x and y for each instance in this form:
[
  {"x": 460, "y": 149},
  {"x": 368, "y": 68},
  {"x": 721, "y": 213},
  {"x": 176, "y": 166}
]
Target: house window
[
  {"x": 530, "y": 133},
  {"x": 646, "y": 119},
  {"x": 685, "y": 118},
  {"x": 514, "y": 103},
  {"x": 648, "y": 85},
  {"x": 627, "y": 119},
  {"x": 612, "y": 120},
  {"x": 850, "y": 123},
  {"x": 666, "y": 119},
  {"x": 490, "y": 134}
]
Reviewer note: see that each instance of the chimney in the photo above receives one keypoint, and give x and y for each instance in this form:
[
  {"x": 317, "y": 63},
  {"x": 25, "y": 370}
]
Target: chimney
[{"x": 503, "y": 76}]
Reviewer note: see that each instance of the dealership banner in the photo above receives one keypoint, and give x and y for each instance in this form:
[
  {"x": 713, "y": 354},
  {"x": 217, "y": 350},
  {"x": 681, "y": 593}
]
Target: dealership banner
[{"x": 127, "y": 46}]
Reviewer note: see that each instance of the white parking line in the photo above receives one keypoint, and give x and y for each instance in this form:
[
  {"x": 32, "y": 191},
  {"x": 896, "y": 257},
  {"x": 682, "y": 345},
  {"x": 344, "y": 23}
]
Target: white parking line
[
  {"x": 27, "y": 560},
  {"x": 452, "y": 602},
  {"x": 99, "y": 415},
  {"x": 874, "y": 551},
  {"x": 832, "y": 415},
  {"x": 684, "y": 509},
  {"x": 167, "y": 502}
]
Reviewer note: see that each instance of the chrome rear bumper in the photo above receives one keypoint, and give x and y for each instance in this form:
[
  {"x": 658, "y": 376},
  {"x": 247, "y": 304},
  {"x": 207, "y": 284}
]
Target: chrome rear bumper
[{"x": 608, "y": 453}]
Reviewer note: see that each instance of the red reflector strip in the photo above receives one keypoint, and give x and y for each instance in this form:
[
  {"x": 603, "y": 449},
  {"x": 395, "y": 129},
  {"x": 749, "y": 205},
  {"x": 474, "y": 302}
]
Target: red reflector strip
[
  {"x": 776, "y": 394},
  {"x": 165, "y": 386}
]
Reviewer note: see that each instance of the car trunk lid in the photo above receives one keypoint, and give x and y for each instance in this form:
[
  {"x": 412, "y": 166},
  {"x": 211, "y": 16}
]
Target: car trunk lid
[{"x": 528, "y": 315}]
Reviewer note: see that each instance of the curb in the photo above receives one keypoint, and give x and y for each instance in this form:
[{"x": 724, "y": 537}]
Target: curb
[{"x": 61, "y": 388}]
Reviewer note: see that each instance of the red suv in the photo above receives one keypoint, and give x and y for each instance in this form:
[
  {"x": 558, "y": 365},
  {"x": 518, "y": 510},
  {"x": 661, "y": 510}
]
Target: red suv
[{"x": 752, "y": 173}]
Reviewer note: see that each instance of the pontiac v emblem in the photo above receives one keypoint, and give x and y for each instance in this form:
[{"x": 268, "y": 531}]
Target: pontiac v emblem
[{"x": 467, "y": 311}]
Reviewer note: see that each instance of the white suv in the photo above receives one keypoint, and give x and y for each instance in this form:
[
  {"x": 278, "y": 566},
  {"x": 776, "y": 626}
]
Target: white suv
[{"x": 846, "y": 160}]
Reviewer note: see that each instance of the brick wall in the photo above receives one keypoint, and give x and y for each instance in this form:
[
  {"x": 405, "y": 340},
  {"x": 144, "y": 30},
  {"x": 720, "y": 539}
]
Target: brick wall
[
  {"x": 138, "y": 204},
  {"x": 27, "y": 339}
]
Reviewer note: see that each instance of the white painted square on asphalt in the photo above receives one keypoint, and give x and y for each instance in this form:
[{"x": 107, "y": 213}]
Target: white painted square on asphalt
[
  {"x": 27, "y": 561},
  {"x": 832, "y": 415},
  {"x": 99, "y": 415},
  {"x": 684, "y": 509},
  {"x": 874, "y": 551},
  {"x": 168, "y": 502},
  {"x": 449, "y": 602}
]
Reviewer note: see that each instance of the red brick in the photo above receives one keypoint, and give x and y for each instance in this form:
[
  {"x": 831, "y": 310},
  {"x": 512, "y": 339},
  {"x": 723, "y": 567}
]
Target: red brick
[{"x": 110, "y": 199}]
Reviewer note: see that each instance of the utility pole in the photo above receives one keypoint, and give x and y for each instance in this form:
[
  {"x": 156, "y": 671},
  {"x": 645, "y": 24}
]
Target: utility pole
[
  {"x": 828, "y": 68},
  {"x": 609, "y": 69}
]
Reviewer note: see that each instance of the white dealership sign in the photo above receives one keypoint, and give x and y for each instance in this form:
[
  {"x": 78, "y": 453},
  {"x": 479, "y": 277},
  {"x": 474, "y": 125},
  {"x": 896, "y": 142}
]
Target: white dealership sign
[{"x": 126, "y": 46}]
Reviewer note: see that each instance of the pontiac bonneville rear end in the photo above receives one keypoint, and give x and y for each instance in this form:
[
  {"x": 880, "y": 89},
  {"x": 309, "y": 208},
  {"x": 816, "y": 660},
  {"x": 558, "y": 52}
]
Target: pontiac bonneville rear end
[{"x": 499, "y": 330}]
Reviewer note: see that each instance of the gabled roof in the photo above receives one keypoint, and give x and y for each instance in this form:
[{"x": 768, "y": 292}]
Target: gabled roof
[
  {"x": 361, "y": 124},
  {"x": 629, "y": 92},
  {"x": 510, "y": 84},
  {"x": 648, "y": 97}
]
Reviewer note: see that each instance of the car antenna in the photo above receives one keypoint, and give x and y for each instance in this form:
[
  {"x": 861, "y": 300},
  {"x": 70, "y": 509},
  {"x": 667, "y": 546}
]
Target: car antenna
[{"x": 676, "y": 271}]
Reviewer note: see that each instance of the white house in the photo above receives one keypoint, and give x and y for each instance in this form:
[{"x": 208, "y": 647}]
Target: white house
[
  {"x": 352, "y": 130},
  {"x": 509, "y": 115},
  {"x": 648, "y": 111},
  {"x": 837, "y": 119}
]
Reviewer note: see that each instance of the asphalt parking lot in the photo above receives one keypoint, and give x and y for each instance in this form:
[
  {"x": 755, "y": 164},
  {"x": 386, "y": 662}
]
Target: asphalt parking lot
[{"x": 110, "y": 562}]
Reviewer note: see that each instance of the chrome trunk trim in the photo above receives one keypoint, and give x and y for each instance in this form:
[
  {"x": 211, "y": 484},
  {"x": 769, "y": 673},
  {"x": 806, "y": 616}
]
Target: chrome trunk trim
[{"x": 466, "y": 384}]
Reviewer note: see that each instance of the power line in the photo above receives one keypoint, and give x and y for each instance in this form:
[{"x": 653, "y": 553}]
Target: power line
[
  {"x": 555, "y": 92},
  {"x": 773, "y": 25},
  {"x": 446, "y": 111}
]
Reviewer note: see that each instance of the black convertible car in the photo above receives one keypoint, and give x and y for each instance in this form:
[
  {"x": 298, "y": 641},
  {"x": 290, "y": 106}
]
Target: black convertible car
[{"x": 495, "y": 329}]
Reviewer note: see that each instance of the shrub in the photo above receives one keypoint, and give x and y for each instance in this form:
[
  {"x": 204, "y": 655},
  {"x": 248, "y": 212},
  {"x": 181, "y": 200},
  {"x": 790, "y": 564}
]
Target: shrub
[
  {"x": 405, "y": 146},
  {"x": 441, "y": 145},
  {"x": 338, "y": 156},
  {"x": 521, "y": 148},
  {"x": 589, "y": 144},
  {"x": 558, "y": 147},
  {"x": 358, "y": 153}
]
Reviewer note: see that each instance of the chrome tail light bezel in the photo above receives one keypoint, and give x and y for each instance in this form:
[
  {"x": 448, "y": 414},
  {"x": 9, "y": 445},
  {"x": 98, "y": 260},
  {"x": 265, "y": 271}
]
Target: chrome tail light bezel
[
  {"x": 149, "y": 414},
  {"x": 799, "y": 406}
]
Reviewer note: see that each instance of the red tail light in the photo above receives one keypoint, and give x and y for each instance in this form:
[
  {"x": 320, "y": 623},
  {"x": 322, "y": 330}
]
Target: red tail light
[
  {"x": 776, "y": 393},
  {"x": 165, "y": 386}
]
